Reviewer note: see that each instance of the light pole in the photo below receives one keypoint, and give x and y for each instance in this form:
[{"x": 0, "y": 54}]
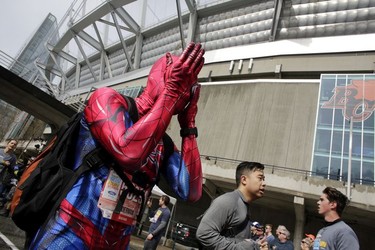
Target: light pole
[{"x": 348, "y": 188}]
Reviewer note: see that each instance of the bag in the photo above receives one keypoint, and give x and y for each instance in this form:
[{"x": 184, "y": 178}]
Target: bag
[{"x": 45, "y": 183}]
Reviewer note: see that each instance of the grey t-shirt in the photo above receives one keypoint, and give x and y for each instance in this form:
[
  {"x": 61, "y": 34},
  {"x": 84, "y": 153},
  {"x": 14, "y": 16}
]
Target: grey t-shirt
[
  {"x": 227, "y": 211},
  {"x": 336, "y": 236}
]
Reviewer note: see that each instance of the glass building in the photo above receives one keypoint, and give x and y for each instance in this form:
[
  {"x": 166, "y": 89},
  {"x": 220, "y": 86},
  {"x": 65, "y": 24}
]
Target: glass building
[
  {"x": 24, "y": 66},
  {"x": 344, "y": 133},
  {"x": 35, "y": 49}
]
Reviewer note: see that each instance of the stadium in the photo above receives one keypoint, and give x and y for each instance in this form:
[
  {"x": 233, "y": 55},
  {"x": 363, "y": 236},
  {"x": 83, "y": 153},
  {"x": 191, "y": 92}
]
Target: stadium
[{"x": 288, "y": 83}]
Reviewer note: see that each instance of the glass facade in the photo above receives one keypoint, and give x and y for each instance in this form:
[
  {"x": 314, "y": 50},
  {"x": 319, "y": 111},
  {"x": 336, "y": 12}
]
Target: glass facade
[
  {"x": 35, "y": 50},
  {"x": 131, "y": 91},
  {"x": 345, "y": 99},
  {"x": 24, "y": 67}
]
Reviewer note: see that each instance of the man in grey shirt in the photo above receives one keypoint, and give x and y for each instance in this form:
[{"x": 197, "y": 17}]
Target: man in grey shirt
[
  {"x": 225, "y": 225},
  {"x": 336, "y": 235}
]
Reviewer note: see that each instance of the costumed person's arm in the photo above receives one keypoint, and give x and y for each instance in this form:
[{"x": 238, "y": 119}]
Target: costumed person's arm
[
  {"x": 131, "y": 145},
  {"x": 185, "y": 177},
  {"x": 214, "y": 222}
]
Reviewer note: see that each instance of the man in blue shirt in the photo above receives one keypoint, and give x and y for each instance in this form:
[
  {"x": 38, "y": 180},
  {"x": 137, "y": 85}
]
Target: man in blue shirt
[
  {"x": 282, "y": 241},
  {"x": 159, "y": 221},
  {"x": 336, "y": 235}
]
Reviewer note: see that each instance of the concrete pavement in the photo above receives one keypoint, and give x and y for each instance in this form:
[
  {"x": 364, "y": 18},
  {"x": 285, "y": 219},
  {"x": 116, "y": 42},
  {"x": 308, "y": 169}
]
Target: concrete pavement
[{"x": 11, "y": 237}]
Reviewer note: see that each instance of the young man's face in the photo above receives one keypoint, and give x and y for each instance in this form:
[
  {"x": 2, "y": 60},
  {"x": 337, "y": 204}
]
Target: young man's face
[
  {"x": 324, "y": 205},
  {"x": 161, "y": 201},
  {"x": 268, "y": 229},
  {"x": 255, "y": 183},
  {"x": 12, "y": 145}
]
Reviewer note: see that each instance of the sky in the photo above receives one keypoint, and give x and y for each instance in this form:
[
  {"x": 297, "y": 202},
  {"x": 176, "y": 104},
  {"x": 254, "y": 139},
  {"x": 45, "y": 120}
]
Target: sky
[{"x": 19, "y": 19}]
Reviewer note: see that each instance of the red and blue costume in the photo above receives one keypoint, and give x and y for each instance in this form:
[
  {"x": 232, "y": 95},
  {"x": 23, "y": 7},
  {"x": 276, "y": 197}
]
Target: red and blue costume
[{"x": 136, "y": 147}]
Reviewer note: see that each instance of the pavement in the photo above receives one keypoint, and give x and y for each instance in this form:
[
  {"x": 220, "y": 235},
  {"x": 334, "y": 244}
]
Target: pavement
[
  {"x": 11, "y": 237},
  {"x": 136, "y": 243}
]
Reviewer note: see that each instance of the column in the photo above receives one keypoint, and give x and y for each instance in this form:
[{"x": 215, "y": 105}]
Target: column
[{"x": 299, "y": 208}]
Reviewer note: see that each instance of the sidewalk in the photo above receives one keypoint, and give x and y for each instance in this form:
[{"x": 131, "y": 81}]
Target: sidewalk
[{"x": 136, "y": 243}]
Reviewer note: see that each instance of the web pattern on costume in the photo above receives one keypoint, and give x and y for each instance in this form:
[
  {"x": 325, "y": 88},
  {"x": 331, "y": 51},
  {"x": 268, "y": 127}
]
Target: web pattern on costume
[
  {"x": 111, "y": 127},
  {"x": 79, "y": 224},
  {"x": 135, "y": 148}
]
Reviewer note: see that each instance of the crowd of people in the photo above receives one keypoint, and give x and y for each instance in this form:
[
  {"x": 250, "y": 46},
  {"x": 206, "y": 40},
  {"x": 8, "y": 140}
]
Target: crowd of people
[{"x": 282, "y": 238}]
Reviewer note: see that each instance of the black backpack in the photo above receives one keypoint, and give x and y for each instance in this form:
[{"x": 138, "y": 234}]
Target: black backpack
[{"x": 46, "y": 182}]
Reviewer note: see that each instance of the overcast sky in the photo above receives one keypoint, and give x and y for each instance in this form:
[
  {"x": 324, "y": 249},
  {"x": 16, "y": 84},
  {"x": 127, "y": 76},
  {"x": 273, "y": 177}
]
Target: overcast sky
[{"x": 19, "y": 19}]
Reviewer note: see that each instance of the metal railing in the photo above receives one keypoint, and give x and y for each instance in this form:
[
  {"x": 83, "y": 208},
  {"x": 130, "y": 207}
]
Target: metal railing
[{"x": 300, "y": 172}]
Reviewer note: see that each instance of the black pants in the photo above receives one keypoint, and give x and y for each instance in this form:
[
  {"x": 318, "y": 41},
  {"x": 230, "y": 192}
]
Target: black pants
[{"x": 151, "y": 244}]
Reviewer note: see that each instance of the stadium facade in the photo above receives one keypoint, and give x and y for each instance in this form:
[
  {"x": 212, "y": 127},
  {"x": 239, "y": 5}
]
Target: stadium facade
[{"x": 288, "y": 83}]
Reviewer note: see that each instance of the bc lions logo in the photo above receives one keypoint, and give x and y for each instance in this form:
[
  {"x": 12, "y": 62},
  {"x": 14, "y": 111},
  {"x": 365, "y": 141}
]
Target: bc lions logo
[{"x": 356, "y": 100}]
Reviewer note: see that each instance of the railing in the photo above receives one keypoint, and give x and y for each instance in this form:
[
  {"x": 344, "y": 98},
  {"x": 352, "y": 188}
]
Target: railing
[
  {"x": 301, "y": 172},
  {"x": 27, "y": 73},
  {"x": 17, "y": 67}
]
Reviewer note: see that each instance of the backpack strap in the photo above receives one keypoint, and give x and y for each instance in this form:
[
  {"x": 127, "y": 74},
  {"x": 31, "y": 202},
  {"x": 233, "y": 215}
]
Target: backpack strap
[
  {"x": 91, "y": 160},
  {"x": 132, "y": 108},
  {"x": 168, "y": 148},
  {"x": 233, "y": 231}
]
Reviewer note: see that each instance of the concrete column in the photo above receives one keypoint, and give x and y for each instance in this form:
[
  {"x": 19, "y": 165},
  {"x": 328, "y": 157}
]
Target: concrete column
[
  {"x": 299, "y": 208},
  {"x": 210, "y": 188}
]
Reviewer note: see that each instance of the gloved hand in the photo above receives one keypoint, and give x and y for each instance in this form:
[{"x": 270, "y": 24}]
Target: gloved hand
[
  {"x": 187, "y": 117},
  {"x": 181, "y": 75}
]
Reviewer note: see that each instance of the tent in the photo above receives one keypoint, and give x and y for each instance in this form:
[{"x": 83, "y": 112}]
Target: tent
[{"x": 158, "y": 192}]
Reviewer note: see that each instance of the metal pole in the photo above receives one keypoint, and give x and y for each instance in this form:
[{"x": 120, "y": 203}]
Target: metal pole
[
  {"x": 180, "y": 24},
  {"x": 348, "y": 193}
]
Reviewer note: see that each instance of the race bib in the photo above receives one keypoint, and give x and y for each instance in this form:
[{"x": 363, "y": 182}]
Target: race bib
[{"x": 110, "y": 196}]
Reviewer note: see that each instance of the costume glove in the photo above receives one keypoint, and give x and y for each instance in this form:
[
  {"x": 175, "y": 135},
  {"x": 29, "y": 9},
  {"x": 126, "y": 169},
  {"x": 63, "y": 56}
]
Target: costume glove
[
  {"x": 181, "y": 75},
  {"x": 187, "y": 117}
]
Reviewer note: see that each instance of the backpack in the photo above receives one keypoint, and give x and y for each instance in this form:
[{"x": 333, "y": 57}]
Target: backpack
[{"x": 48, "y": 179}]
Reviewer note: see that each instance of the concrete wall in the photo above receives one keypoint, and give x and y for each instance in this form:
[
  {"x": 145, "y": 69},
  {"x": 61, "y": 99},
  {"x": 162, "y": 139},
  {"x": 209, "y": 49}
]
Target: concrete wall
[{"x": 272, "y": 123}]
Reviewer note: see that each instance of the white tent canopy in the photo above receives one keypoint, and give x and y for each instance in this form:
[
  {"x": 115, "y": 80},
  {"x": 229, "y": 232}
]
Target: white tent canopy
[{"x": 158, "y": 192}]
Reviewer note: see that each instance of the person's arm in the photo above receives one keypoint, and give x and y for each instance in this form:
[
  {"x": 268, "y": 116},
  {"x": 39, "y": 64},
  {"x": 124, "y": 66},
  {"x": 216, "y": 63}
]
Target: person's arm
[
  {"x": 131, "y": 145},
  {"x": 162, "y": 225},
  {"x": 185, "y": 178},
  {"x": 214, "y": 222}
]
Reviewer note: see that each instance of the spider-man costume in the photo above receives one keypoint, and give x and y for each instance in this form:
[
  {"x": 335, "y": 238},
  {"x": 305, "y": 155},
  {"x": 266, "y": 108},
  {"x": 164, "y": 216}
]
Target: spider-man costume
[{"x": 137, "y": 147}]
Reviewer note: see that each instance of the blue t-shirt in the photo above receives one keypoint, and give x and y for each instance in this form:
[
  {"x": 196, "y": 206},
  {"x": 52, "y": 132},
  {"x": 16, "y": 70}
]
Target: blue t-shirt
[
  {"x": 336, "y": 235},
  {"x": 161, "y": 214},
  {"x": 287, "y": 245}
]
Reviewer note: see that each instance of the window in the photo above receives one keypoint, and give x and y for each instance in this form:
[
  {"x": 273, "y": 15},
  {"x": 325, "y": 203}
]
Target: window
[{"x": 344, "y": 99}]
